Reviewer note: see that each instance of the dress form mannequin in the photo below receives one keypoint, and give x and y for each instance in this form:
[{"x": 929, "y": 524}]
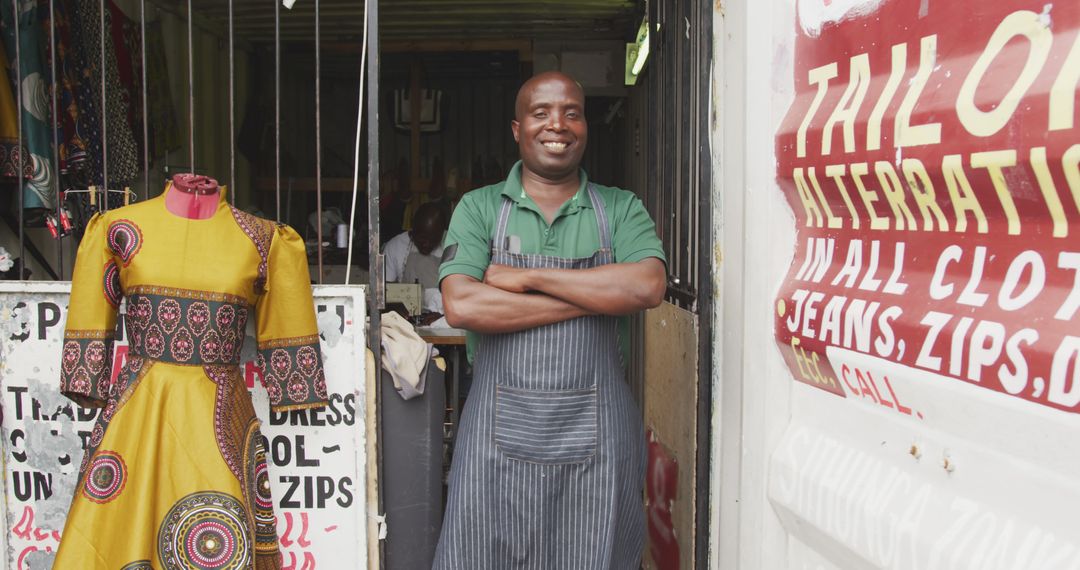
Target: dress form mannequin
[{"x": 193, "y": 196}]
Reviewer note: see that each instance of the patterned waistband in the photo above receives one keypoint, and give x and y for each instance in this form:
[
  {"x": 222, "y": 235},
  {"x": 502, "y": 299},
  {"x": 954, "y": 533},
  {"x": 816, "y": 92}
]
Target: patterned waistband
[{"x": 185, "y": 330}]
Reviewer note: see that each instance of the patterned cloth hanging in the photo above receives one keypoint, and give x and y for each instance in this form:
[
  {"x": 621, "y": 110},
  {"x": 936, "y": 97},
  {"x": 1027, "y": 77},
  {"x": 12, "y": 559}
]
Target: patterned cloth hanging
[
  {"x": 86, "y": 49},
  {"x": 164, "y": 132},
  {"x": 79, "y": 62},
  {"x": 9, "y": 128},
  {"x": 76, "y": 124},
  {"x": 38, "y": 191}
]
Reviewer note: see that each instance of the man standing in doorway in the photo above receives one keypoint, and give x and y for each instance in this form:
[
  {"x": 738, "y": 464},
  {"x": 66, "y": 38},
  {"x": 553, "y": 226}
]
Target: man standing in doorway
[{"x": 543, "y": 269}]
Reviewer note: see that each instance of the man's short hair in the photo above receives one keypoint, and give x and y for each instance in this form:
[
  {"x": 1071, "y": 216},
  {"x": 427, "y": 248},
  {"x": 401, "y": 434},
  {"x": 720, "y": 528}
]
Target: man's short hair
[{"x": 429, "y": 212}]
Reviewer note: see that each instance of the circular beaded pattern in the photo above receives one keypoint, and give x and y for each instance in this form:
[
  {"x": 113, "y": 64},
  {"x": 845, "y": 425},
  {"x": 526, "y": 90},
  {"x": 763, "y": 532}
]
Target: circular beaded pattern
[
  {"x": 106, "y": 478},
  {"x": 257, "y": 489},
  {"x": 205, "y": 530}
]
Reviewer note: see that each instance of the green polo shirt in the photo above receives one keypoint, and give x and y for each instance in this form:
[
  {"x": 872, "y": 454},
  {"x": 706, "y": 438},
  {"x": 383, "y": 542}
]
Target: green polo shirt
[{"x": 573, "y": 233}]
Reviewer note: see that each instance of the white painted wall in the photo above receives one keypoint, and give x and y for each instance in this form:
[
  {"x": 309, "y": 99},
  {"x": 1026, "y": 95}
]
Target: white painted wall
[
  {"x": 802, "y": 479},
  {"x": 752, "y": 88}
]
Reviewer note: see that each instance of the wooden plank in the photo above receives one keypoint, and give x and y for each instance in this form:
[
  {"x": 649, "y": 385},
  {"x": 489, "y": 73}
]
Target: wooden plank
[
  {"x": 671, "y": 410},
  {"x": 371, "y": 429}
]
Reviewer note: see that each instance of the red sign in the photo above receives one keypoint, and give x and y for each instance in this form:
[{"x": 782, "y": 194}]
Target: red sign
[
  {"x": 661, "y": 486},
  {"x": 932, "y": 160}
]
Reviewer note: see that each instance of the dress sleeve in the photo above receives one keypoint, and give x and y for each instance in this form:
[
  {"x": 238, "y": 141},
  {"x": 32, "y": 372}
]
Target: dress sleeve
[
  {"x": 86, "y": 363},
  {"x": 285, "y": 326}
]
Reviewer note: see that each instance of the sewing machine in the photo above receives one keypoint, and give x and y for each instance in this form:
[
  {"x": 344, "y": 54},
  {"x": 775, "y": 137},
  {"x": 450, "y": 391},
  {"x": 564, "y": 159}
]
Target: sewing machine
[{"x": 408, "y": 294}]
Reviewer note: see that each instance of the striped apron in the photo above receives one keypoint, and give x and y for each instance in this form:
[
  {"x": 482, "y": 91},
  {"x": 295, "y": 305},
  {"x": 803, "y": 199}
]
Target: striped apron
[{"x": 550, "y": 456}]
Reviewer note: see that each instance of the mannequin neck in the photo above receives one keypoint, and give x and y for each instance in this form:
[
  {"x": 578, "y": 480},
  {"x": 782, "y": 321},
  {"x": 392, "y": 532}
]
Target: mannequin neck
[{"x": 193, "y": 196}]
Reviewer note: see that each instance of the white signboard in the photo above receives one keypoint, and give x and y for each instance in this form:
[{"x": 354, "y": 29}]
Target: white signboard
[{"x": 316, "y": 457}]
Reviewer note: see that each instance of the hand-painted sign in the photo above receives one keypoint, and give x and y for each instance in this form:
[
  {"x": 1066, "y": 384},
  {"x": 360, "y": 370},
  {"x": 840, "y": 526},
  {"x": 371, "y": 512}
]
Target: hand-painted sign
[
  {"x": 932, "y": 160},
  {"x": 317, "y": 456}
]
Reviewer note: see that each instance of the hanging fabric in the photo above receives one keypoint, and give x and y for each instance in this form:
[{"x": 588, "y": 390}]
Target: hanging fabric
[
  {"x": 38, "y": 191},
  {"x": 9, "y": 130}
]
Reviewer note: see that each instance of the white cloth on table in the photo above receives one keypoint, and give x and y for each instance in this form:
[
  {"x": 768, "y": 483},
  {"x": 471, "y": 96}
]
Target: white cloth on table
[{"x": 405, "y": 355}]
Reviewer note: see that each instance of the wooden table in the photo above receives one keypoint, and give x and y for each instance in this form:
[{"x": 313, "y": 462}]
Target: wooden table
[{"x": 442, "y": 336}]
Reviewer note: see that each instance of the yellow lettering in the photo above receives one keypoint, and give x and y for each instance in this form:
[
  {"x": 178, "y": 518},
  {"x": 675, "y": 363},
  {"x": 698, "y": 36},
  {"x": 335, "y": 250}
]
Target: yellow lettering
[
  {"x": 995, "y": 162},
  {"x": 929, "y": 133},
  {"x": 899, "y": 67},
  {"x": 795, "y": 342},
  {"x": 961, "y": 194},
  {"x": 837, "y": 172},
  {"x": 834, "y": 222},
  {"x": 858, "y": 170},
  {"x": 1063, "y": 93},
  {"x": 1023, "y": 23},
  {"x": 1049, "y": 191},
  {"x": 851, "y": 101},
  {"x": 922, "y": 189},
  {"x": 1070, "y": 161},
  {"x": 819, "y": 76},
  {"x": 821, "y": 377},
  {"x": 894, "y": 195},
  {"x": 811, "y": 207}
]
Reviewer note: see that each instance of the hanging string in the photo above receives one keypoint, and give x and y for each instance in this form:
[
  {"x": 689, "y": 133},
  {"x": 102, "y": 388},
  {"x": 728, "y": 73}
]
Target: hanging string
[
  {"x": 232, "y": 112},
  {"x": 277, "y": 107},
  {"x": 56, "y": 136},
  {"x": 318, "y": 145},
  {"x": 356, "y": 151},
  {"x": 191, "y": 90},
  {"x": 104, "y": 110},
  {"x": 145, "y": 108}
]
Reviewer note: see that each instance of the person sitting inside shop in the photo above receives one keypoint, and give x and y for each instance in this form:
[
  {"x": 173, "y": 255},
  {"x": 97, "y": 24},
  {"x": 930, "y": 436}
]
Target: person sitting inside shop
[{"x": 414, "y": 256}]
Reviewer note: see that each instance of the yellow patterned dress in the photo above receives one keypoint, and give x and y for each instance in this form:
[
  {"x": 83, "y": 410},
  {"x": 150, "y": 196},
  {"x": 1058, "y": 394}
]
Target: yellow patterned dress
[{"x": 174, "y": 475}]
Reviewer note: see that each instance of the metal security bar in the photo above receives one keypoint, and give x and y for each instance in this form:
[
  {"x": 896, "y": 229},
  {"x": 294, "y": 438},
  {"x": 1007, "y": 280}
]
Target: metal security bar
[
  {"x": 104, "y": 107},
  {"x": 679, "y": 174},
  {"x": 55, "y": 129},
  {"x": 20, "y": 167},
  {"x": 145, "y": 122},
  {"x": 97, "y": 184},
  {"x": 678, "y": 169}
]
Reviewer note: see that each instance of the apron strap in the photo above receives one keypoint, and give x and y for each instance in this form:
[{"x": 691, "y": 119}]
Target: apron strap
[
  {"x": 499, "y": 240},
  {"x": 601, "y": 218}
]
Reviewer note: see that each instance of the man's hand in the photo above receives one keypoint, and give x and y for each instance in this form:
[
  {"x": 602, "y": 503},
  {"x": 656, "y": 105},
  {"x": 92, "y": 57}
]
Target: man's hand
[{"x": 507, "y": 278}]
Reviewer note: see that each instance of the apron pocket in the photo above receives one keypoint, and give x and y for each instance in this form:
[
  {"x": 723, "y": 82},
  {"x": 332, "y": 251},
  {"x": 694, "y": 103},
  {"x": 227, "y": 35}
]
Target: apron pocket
[{"x": 546, "y": 426}]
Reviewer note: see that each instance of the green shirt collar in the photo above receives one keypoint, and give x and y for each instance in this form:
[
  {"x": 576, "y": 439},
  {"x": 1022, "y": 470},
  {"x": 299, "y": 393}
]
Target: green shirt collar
[{"x": 513, "y": 189}]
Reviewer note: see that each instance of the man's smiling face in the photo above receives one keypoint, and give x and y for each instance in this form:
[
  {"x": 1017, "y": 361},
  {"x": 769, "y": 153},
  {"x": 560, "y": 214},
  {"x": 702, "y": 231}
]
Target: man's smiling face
[{"x": 550, "y": 127}]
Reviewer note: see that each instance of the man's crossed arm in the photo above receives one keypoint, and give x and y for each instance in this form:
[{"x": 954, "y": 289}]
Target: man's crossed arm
[{"x": 511, "y": 300}]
